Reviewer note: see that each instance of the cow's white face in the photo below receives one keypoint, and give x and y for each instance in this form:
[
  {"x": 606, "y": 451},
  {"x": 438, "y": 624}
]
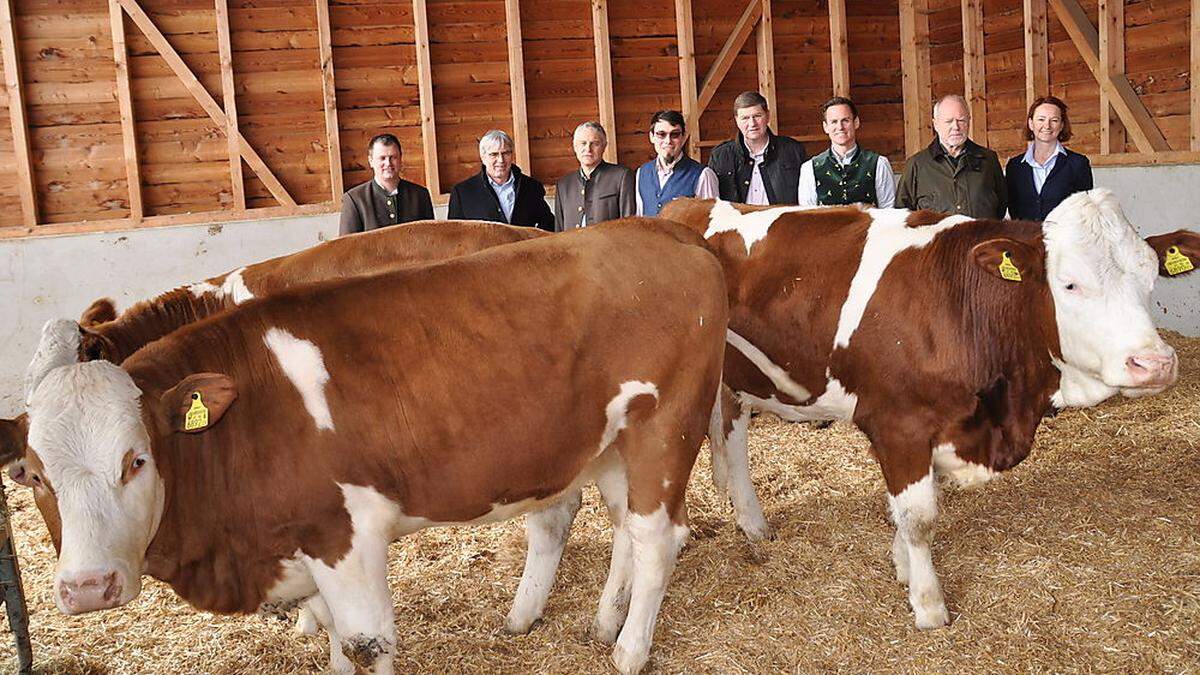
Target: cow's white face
[
  {"x": 1100, "y": 274},
  {"x": 86, "y": 426}
]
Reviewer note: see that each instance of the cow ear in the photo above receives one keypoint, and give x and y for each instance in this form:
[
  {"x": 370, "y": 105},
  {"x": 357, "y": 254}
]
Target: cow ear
[
  {"x": 13, "y": 435},
  {"x": 100, "y": 311},
  {"x": 1178, "y": 252},
  {"x": 197, "y": 402},
  {"x": 1008, "y": 259}
]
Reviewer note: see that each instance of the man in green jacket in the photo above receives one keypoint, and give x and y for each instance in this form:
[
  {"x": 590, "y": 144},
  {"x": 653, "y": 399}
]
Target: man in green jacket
[{"x": 954, "y": 174}]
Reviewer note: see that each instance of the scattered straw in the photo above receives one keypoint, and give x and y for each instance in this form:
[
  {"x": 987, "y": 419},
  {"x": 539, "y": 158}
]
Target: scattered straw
[{"x": 1084, "y": 558}]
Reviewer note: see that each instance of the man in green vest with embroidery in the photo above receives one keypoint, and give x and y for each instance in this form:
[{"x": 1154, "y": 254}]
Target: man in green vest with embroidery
[{"x": 846, "y": 173}]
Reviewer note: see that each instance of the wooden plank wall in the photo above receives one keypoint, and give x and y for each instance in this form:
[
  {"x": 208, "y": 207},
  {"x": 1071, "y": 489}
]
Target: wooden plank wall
[{"x": 79, "y": 173}]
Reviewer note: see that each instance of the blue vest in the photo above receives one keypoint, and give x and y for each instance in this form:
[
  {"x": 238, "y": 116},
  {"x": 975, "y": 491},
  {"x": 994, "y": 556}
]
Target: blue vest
[{"x": 682, "y": 183}]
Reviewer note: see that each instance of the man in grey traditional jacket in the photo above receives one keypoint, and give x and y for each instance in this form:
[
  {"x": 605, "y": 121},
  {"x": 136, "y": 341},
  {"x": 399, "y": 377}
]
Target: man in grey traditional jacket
[
  {"x": 386, "y": 199},
  {"x": 599, "y": 190}
]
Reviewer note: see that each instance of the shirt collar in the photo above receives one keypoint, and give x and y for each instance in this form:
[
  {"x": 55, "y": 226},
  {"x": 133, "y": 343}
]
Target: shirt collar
[
  {"x": 1028, "y": 159},
  {"x": 385, "y": 190},
  {"x": 512, "y": 176},
  {"x": 843, "y": 159},
  {"x": 667, "y": 168},
  {"x": 583, "y": 175}
]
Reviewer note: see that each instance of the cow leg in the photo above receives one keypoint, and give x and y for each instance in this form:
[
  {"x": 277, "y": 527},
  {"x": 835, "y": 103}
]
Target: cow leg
[
  {"x": 914, "y": 510},
  {"x": 306, "y": 622},
  {"x": 725, "y": 404},
  {"x": 318, "y": 612},
  {"x": 547, "y": 531},
  {"x": 747, "y": 511},
  {"x": 614, "y": 600},
  {"x": 356, "y": 594}
]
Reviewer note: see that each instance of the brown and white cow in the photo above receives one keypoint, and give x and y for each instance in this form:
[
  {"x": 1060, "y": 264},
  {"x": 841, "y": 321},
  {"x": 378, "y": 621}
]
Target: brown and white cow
[
  {"x": 272, "y": 451},
  {"x": 944, "y": 339}
]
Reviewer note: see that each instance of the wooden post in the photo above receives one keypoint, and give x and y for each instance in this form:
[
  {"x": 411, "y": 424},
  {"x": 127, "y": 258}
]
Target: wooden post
[
  {"x": 839, "y": 54},
  {"x": 1037, "y": 64},
  {"x": 1112, "y": 62},
  {"x": 229, "y": 98},
  {"x": 516, "y": 83},
  {"x": 729, "y": 51},
  {"x": 197, "y": 90},
  {"x": 333, "y": 144},
  {"x": 687, "y": 74},
  {"x": 914, "y": 64},
  {"x": 125, "y": 103},
  {"x": 766, "y": 59},
  {"x": 425, "y": 87},
  {"x": 604, "y": 85},
  {"x": 974, "y": 75},
  {"x": 16, "y": 115},
  {"x": 1195, "y": 75}
]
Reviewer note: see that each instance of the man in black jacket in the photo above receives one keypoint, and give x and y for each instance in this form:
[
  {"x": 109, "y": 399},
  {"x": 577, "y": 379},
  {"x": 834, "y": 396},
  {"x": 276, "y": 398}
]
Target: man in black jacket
[
  {"x": 500, "y": 192},
  {"x": 757, "y": 167},
  {"x": 386, "y": 199}
]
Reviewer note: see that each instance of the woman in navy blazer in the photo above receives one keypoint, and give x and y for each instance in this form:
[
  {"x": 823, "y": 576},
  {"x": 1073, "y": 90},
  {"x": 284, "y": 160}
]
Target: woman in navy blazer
[{"x": 1047, "y": 173}]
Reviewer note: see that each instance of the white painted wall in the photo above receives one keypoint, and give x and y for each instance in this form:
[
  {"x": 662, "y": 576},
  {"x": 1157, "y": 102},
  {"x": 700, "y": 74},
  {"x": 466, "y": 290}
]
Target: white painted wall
[{"x": 57, "y": 277}]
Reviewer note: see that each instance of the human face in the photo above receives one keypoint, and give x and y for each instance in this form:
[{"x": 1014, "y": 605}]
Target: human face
[
  {"x": 753, "y": 123},
  {"x": 841, "y": 125},
  {"x": 497, "y": 161},
  {"x": 952, "y": 121},
  {"x": 1046, "y": 123},
  {"x": 385, "y": 162},
  {"x": 668, "y": 140},
  {"x": 589, "y": 147}
]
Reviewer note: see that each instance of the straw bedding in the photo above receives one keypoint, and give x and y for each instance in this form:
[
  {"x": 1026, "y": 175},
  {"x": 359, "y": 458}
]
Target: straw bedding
[{"x": 1084, "y": 558}]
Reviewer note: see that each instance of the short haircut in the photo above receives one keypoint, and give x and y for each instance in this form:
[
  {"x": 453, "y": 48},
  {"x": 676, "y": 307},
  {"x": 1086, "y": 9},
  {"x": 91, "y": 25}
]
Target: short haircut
[
  {"x": 672, "y": 117},
  {"x": 495, "y": 136},
  {"x": 1064, "y": 134},
  {"x": 750, "y": 99},
  {"x": 594, "y": 126},
  {"x": 386, "y": 140},
  {"x": 951, "y": 97},
  {"x": 838, "y": 100}
]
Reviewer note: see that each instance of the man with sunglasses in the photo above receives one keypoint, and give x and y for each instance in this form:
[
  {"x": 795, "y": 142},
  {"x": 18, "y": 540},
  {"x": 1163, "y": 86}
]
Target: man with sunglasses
[{"x": 671, "y": 174}]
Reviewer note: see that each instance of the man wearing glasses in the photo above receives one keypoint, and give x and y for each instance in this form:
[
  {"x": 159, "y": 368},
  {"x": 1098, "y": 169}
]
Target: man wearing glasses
[{"x": 671, "y": 174}]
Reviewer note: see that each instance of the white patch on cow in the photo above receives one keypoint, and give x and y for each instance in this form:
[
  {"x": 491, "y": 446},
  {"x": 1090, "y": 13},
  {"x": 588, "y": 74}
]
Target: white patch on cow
[
  {"x": 295, "y": 581},
  {"x": 656, "y": 545},
  {"x": 835, "y": 403},
  {"x": 303, "y": 364},
  {"x": 235, "y": 287},
  {"x": 779, "y": 376},
  {"x": 914, "y": 511},
  {"x": 204, "y": 288},
  {"x": 887, "y": 236},
  {"x": 753, "y": 226},
  {"x": 546, "y": 536},
  {"x": 747, "y": 510},
  {"x": 616, "y": 410},
  {"x": 963, "y": 473},
  {"x": 59, "y": 346}
]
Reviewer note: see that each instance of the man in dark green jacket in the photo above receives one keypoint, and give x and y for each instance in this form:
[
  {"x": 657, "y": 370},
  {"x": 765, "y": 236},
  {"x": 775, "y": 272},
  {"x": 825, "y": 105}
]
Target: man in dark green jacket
[{"x": 954, "y": 174}]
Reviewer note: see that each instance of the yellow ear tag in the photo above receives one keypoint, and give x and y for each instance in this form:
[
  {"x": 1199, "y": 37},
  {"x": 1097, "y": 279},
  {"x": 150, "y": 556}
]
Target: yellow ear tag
[
  {"x": 1007, "y": 269},
  {"x": 1177, "y": 262},
  {"x": 197, "y": 415}
]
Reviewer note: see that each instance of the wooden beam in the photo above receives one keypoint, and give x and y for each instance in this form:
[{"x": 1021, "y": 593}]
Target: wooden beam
[
  {"x": 729, "y": 52},
  {"x": 229, "y": 97},
  {"x": 1112, "y": 62},
  {"x": 1195, "y": 75},
  {"x": 604, "y": 85},
  {"x": 425, "y": 89},
  {"x": 16, "y": 115},
  {"x": 333, "y": 143},
  {"x": 1138, "y": 121},
  {"x": 766, "y": 59},
  {"x": 914, "y": 64},
  {"x": 206, "y": 217},
  {"x": 974, "y": 74},
  {"x": 839, "y": 53},
  {"x": 197, "y": 90},
  {"x": 1037, "y": 56},
  {"x": 516, "y": 83},
  {"x": 133, "y": 176},
  {"x": 687, "y": 73}
]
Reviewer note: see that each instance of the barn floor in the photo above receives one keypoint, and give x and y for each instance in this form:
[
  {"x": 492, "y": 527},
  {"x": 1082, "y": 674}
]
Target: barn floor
[{"x": 1084, "y": 558}]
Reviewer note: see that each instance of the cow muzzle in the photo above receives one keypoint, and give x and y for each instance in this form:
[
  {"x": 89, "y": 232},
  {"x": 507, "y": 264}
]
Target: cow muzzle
[
  {"x": 90, "y": 591},
  {"x": 1151, "y": 373}
]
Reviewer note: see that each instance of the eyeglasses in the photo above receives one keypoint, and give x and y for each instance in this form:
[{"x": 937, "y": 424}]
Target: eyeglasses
[{"x": 664, "y": 135}]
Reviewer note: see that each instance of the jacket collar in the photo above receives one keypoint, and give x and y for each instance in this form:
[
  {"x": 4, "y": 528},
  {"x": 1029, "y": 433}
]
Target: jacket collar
[
  {"x": 970, "y": 147},
  {"x": 744, "y": 152}
]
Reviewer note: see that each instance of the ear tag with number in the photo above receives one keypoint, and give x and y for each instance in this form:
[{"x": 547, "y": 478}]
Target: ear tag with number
[
  {"x": 1007, "y": 269},
  {"x": 197, "y": 415},
  {"x": 1177, "y": 262}
]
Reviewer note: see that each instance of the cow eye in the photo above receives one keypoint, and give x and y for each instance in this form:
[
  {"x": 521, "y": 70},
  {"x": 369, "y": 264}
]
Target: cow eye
[
  {"x": 35, "y": 478},
  {"x": 139, "y": 462},
  {"x": 1071, "y": 286}
]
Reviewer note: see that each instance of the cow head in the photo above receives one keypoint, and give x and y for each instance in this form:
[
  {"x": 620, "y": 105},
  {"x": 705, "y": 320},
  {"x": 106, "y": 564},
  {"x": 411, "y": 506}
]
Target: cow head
[
  {"x": 1100, "y": 274},
  {"x": 92, "y": 438}
]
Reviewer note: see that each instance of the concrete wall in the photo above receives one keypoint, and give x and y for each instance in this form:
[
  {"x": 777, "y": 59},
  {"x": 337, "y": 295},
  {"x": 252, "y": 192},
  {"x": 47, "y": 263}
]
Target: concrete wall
[{"x": 56, "y": 277}]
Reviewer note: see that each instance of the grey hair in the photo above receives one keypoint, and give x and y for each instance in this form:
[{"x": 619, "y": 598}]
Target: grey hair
[
  {"x": 594, "y": 126},
  {"x": 495, "y": 136},
  {"x": 951, "y": 97}
]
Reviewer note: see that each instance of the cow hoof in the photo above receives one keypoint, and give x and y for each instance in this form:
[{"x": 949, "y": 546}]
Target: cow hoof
[
  {"x": 931, "y": 617},
  {"x": 606, "y": 632},
  {"x": 520, "y": 625},
  {"x": 306, "y": 624},
  {"x": 629, "y": 662},
  {"x": 757, "y": 532}
]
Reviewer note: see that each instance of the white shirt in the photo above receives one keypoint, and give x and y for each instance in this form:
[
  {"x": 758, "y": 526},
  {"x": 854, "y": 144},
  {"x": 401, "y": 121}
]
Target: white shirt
[
  {"x": 506, "y": 192},
  {"x": 706, "y": 184},
  {"x": 757, "y": 194},
  {"x": 885, "y": 180},
  {"x": 1041, "y": 171}
]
